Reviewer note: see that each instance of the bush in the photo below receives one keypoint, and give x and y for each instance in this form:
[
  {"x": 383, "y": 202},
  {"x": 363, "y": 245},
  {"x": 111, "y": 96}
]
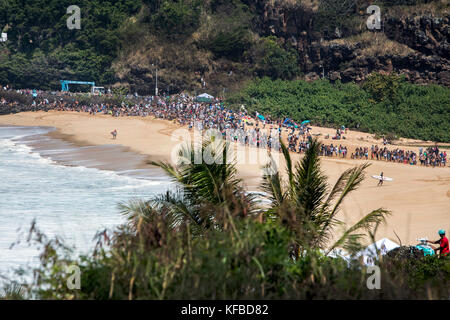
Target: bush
[
  {"x": 383, "y": 87},
  {"x": 177, "y": 17},
  {"x": 400, "y": 112},
  {"x": 249, "y": 262},
  {"x": 41, "y": 50},
  {"x": 271, "y": 60},
  {"x": 230, "y": 44},
  {"x": 226, "y": 32},
  {"x": 338, "y": 14}
]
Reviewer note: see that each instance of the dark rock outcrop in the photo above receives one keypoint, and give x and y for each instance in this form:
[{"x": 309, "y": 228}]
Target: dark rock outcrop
[{"x": 426, "y": 36}]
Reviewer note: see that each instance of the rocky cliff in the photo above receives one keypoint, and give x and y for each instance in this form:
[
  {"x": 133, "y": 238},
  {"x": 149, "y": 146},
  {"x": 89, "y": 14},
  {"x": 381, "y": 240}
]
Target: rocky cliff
[
  {"x": 416, "y": 46},
  {"x": 330, "y": 38}
]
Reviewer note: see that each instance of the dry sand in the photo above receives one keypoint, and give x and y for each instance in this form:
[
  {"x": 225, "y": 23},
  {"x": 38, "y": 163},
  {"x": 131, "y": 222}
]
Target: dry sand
[{"x": 419, "y": 197}]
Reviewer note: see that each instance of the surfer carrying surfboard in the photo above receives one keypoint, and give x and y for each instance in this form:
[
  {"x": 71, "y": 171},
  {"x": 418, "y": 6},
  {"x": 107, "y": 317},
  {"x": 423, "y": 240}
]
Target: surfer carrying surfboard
[
  {"x": 381, "y": 178},
  {"x": 380, "y": 183}
]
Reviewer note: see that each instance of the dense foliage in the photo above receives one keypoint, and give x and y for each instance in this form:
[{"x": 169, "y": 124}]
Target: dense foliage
[
  {"x": 41, "y": 50},
  {"x": 272, "y": 60},
  {"x": 385, "y": 104},
  {"x": 249, "y": 264},
  {"x": 177, "y": 17}
]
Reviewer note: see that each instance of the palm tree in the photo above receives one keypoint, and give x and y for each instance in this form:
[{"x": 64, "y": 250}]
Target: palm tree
[
  {"x": 206, "y": 188},
  {"x": 304, "y": 203}
]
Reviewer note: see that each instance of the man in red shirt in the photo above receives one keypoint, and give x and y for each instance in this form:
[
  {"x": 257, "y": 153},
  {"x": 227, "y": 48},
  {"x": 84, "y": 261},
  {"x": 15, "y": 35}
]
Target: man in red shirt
[{"x": 443, "y": 244}]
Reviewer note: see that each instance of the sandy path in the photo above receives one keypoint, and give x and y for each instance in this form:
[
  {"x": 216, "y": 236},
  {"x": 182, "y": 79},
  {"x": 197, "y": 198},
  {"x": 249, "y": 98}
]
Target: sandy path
[{"x": 419, "y": 198}]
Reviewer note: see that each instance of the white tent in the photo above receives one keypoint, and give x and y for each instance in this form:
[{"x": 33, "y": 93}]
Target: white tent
[
  {"x": 205, "y": 95},
  {"x": 339, "y": 253},
  {"x": 369, "y": 254}
]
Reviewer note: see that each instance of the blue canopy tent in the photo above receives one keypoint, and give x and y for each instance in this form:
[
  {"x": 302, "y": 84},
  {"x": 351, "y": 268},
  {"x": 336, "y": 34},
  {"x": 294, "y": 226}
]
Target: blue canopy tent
[{"x": 288, "y": 122}]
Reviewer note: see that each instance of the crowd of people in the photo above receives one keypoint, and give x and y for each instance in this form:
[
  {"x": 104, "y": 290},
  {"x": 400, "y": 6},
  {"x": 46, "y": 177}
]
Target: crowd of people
[
  {"x": 234, "y": 125},
  {"x": 431, "y": 156},
  {"x": 330, "y": 151}
]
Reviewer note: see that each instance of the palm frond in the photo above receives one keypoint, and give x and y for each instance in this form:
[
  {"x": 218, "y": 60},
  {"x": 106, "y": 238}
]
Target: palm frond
[
  {"x": 348, "y": 181},
  {"x": 181, "y": 210},
  {"x": 289, "y": 171},
  {"x": 272, "y": 185},
  {"x": 310, "y": 183},
  {"x": 352, "y": 179},
  {"x": 170, "y": 170},
  {"x": 366, "y": 223}
]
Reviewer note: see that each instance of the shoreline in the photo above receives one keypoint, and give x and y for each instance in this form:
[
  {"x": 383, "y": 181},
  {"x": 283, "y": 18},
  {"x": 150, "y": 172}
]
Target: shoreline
[
  {"x": 418, "y": 197},
  {"x": 66, "y": 150}
]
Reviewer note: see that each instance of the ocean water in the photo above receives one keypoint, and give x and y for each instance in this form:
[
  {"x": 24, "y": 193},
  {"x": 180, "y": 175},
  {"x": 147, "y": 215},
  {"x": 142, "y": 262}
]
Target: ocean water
[{"x": 73, "y": 202}]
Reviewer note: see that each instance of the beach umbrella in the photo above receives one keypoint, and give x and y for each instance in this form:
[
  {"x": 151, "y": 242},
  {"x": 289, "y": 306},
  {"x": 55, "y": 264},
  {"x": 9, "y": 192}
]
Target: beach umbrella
[
  {"x": 306, "y": 121},
  {"x": 246, "y": 119},
  {"x": 261, "y": 117}
]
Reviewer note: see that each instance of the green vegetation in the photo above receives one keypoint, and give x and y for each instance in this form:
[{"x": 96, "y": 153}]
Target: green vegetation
[
  {"x": 177, "y": 17},
  {"x": 41, "y": 50},
  {"x": 271, "y": 60},
  {"x": 208, "y": 240},
  {"x": 384, "y": 104},
  {"x": 338, "y": 16},
  {"x": 120, "y": 42},
  {"x": 227, "y": 30},
  {"x": 304, "y": 200}
]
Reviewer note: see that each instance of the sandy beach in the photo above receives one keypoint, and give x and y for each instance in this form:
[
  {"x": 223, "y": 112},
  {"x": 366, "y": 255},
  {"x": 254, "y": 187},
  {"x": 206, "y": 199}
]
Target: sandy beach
[{"x": 419, "y": 197}]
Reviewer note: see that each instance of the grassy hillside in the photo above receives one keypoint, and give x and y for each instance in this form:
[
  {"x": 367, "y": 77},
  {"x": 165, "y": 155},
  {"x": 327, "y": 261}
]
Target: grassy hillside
[{"x": 226, "y": 42}]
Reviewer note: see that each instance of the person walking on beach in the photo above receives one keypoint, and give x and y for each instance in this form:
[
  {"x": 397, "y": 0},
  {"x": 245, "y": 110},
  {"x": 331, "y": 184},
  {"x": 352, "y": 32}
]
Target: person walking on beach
[
  {"x": 380, "y": 183},
  {"x": 443, "y": 244},
  {"x": 114, "y": 134}
]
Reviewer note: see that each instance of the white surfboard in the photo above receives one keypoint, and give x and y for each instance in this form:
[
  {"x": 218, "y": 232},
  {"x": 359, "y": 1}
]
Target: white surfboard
[{"x": 384, "y": 178}]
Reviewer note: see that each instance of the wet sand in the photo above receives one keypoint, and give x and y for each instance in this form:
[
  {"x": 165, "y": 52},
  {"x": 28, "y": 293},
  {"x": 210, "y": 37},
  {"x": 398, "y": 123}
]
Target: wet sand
[{"x": 419, "y": 197}]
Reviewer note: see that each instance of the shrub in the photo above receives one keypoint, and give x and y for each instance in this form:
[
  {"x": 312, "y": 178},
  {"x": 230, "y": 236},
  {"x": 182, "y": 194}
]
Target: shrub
[
  {"x": 177, "y": 17},
  {"x": 230, "y": 44},
  {"x": 271, "y": 60},
  {"x": 400, "y": 111},
  {"x": 382, "y": 87}
]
